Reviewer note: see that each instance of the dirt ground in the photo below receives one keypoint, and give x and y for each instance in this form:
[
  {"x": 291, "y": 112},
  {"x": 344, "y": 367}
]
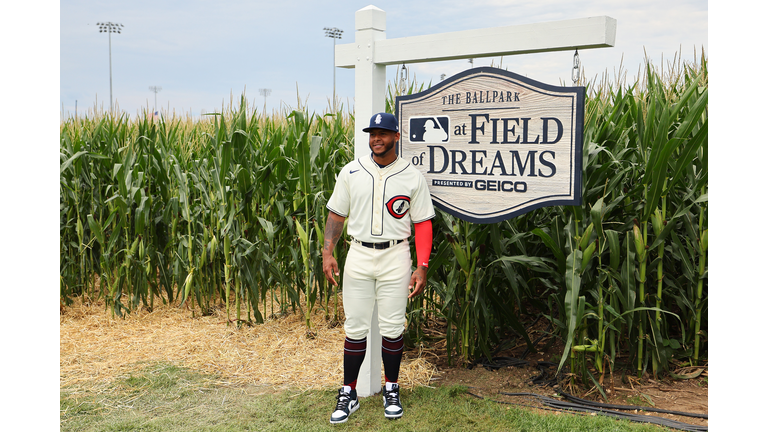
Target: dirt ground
[
  {"x": 675, "y": 395},
  {"x": 623, "y": 388},
  {"x": 96, "y": 348}
]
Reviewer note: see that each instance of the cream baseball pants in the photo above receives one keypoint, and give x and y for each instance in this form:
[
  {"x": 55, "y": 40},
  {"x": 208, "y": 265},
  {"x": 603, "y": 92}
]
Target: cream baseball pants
[{"x": 380, "y": 276}]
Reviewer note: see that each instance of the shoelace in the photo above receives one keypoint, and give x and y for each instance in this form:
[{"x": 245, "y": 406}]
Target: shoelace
[
  {"x": 343, "y": 400},
  {"x": 392, "y": 396}
]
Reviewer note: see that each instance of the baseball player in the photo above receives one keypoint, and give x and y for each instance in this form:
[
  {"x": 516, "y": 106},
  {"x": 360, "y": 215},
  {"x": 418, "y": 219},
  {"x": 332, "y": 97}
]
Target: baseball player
[{"x": 380, "y": 195}]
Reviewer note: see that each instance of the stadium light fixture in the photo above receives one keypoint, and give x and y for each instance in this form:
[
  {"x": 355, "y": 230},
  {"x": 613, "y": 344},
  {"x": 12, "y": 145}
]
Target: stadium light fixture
[
  {"x": 109, "y": 28},
  {"x": 333, "y": 33}
]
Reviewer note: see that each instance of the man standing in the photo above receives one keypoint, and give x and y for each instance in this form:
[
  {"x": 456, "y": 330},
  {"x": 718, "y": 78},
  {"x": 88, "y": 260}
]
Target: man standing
[{"x": 381, "y": 194}]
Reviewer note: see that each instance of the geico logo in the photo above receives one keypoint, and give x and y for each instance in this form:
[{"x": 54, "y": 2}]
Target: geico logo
[{"x": 501, "y": 186}]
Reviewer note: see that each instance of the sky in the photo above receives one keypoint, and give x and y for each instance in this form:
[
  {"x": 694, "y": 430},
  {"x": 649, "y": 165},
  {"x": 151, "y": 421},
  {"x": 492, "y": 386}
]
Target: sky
[{"x": 204, "y": 54}]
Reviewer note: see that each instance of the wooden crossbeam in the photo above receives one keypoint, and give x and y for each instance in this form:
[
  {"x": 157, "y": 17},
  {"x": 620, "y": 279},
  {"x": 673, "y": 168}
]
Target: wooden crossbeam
[{"x": 567, "y": 35}]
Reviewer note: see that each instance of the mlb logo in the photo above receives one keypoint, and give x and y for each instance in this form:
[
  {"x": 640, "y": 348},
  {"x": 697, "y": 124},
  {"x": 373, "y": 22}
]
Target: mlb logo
[{"x": 429, "y": 129}]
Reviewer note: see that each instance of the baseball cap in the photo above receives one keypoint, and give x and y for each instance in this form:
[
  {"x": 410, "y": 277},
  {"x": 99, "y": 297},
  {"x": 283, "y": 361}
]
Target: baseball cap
[{"x": 383, "y": 121}]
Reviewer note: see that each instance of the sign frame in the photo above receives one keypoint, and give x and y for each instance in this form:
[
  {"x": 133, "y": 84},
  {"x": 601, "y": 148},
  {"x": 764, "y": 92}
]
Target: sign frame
[{"x": 577, "y": 96}]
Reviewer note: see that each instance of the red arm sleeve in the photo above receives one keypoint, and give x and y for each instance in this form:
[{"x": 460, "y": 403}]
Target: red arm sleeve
[{"x": 423, "y": 240}]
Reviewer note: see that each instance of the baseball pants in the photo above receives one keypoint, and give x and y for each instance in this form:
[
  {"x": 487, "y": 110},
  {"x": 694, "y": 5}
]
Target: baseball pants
[{"x": 381, "y": 276}]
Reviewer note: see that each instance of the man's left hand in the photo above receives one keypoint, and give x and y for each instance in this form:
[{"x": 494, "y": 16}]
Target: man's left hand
[{"x": 418, "y": 281}]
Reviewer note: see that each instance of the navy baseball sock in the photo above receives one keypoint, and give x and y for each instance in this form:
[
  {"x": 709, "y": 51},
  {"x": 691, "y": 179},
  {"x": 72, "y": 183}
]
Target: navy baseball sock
[
  {"x": 391, "y": 354},
  {"x": 354, "y": 354}
]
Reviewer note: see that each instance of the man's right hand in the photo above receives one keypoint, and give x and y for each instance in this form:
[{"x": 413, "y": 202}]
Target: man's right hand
[
  {"x": 330, "y": 268},
  {"x": 333, "y": 228}
]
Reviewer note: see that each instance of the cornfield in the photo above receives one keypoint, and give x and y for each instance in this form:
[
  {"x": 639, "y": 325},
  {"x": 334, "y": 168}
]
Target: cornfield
[{"x": 229, "y": 211}]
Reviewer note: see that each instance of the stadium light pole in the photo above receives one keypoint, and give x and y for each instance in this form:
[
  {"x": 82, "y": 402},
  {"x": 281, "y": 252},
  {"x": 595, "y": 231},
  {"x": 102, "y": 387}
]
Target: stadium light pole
[
  {"x": 109, "y": 28},
  {"x": 265, "y": 92},
  {"x": 155, "y": 89},
  {"x": 333, "y": 33}
]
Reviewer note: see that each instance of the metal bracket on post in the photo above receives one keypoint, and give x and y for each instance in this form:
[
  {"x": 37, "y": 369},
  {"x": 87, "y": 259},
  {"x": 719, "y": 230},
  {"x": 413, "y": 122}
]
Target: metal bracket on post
[
  {"x": 404, "y": 79},
  {"x": 576, "y": 71}
]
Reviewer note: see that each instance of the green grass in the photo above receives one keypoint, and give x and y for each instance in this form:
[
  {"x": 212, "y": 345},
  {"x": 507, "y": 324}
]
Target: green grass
[{"x": 168, "y": 398}]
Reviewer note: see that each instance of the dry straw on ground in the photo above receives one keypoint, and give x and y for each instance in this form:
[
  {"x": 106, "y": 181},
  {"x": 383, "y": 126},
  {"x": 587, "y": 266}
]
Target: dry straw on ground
[{"x": 96, "y": 348}]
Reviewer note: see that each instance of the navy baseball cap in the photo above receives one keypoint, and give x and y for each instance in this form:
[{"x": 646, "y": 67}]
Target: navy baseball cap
[{"x": 383, "y": 121}]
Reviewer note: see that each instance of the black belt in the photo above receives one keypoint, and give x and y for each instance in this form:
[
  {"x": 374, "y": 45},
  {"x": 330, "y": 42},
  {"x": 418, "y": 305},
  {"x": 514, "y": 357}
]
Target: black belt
[{"x": 380, "y": 245}]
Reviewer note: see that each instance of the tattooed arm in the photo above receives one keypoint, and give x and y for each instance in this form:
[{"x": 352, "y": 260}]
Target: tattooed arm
[{"x": 333, "y": 229}]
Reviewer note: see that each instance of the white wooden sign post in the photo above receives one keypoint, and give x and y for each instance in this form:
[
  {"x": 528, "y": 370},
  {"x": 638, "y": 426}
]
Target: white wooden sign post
[{"x": 372, "y": 52}]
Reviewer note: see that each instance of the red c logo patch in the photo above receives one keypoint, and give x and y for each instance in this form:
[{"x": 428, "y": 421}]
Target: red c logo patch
[{"x": 398, "y": 206}]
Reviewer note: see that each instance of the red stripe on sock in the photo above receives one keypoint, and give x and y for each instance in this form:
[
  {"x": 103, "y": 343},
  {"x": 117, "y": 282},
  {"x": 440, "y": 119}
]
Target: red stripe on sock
[
  {"x": 355, "y": 347},
  {"x": 393, "y": 346}
]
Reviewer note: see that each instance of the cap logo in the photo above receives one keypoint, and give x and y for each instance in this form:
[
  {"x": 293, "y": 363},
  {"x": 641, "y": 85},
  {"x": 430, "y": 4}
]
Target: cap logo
[{"x": 378, "y": 119}]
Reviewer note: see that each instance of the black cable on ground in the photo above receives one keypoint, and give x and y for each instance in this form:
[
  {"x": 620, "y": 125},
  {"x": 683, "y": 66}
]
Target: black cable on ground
[
  {"x": 628, "y": 407},
  {"x": 541, "y": 378},
  {"x": 500, "y": 362},
  {"x": 523, "y": 405},
  {"x": 579, "y": 405},
  {"x": 570, "y": 406}
]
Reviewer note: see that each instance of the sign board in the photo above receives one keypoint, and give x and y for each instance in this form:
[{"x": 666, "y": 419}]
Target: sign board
[{"x": 493, "y": 144}]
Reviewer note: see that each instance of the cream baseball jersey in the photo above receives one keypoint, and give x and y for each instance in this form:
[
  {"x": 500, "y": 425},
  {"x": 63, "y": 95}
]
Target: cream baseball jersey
[{"x": 381, "y": 203}]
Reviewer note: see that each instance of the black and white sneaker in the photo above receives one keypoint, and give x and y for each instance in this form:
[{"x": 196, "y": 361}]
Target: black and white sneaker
[
  {"x": 392, "y": 407},
  {"x": 346, "y": 404}
]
